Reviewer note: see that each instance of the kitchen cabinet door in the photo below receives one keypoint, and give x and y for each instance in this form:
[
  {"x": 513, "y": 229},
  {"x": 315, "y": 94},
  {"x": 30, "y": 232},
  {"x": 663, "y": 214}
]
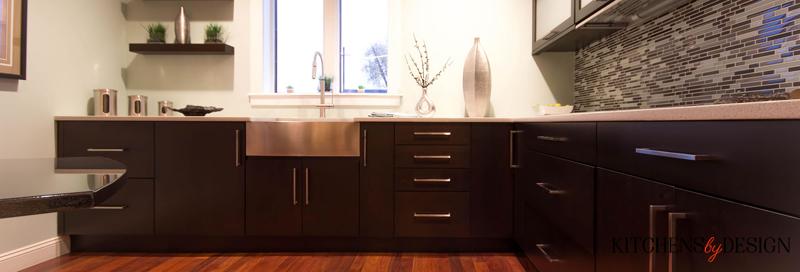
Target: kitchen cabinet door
[
  {"x": 274, "y": 194},
  {"x": 492, "y": 185},
  {"x": 585, "y": 8},
  {"x": 629, "y": 208},
  {"x": 330, "y": 199},
  {"x": 754, "y": 239},
  {"x": 199, "y": 189},
  {"x": 377, "y": 180},
  {"x": 551, "y": 18}
]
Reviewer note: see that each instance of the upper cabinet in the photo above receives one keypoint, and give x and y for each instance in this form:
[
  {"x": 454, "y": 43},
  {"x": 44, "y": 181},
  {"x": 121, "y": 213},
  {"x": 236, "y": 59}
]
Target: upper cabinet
[{"x": 566, "y": 26}]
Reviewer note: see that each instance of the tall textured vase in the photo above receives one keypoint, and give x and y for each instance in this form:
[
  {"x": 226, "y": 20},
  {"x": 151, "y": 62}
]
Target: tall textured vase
[
  {"x": 425, "y": 106},
  {"x": 477, "y": 81}
]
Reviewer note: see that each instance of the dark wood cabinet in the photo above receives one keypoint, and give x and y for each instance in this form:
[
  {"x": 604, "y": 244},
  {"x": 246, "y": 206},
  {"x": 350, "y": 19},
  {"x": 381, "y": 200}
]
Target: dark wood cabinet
[
  {"x": 754, "y": 239},
  {"x": 630, "y": 208},
  {"x": 274, "y": 195},
  {"x": 377, "y": 180},
  {"x": 128, "y": 212},
  {"x": 199, "y": 189},
  {"x": 492, "y": 183},
  {"x": 128, "y": 142},
  {"x": 585, "y": 8},
  {"x": 302, "y": 197}
]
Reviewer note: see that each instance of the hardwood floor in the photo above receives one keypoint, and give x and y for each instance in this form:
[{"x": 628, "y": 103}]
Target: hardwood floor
[{"x": 283, "y": 262}]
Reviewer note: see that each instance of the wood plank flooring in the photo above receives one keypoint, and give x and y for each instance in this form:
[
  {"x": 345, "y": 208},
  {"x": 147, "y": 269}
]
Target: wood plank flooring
[{"x": 417, "y": 262}]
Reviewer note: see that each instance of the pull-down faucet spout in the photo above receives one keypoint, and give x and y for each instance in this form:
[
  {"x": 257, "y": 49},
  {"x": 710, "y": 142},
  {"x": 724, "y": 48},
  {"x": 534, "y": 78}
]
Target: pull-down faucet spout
[{"x": 322, "y": 105}]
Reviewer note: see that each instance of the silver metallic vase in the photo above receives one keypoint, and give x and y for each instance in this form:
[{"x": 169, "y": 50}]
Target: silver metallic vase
[
  {"x": 477, "y": 81},
  {"x": 425, "y": 106},
  {"x": 182, "y": 28}
]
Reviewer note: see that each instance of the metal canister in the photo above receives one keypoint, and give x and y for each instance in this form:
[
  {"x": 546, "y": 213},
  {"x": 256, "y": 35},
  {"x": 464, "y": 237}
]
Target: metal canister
[
  {"x": 105, "y": 102},
  {"x": 137, "y": 105},
  {"x": 164, "y": 108}
]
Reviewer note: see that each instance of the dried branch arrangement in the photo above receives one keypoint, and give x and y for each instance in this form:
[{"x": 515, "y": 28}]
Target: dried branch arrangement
[{"x": 421, "y": 72}]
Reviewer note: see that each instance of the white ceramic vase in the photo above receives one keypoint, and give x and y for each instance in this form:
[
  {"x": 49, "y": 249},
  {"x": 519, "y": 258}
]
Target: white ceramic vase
[{"x": 477, "y": 81}]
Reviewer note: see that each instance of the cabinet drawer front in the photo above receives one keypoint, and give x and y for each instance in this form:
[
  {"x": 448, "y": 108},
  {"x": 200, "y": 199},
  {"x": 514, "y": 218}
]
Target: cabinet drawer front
[
  {"x": 547, "y": 248},
  {"x": 127, "y": 142},
  {"x": 748, "y": 161},
  {"x": 432, "y": 156},
  {"x": 429, "y": 214},
  {"x": 574, "y": 141},
  {"x": 699, "y": 217},
  {"x": 563, "y": 192},
  {"x": 128, "y": 212},
  {"x": 432, "y": 180},
  {"x": 436, "y": 134}
]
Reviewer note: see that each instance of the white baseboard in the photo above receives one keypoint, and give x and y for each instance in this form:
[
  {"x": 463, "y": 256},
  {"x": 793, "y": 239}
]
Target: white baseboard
[{"x": 34, "y": 254}]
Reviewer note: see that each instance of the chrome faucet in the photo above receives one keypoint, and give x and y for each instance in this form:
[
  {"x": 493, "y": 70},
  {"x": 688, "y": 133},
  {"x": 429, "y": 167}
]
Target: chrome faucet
[{"x": 322, "y": 105}]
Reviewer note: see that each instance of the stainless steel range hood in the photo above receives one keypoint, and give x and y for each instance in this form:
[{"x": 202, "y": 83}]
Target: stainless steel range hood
[{"x": 627, "y": 12}]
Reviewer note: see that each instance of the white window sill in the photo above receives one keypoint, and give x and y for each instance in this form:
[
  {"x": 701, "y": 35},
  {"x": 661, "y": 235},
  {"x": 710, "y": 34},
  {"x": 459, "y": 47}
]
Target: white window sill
[{"x": 346, "y": 100}]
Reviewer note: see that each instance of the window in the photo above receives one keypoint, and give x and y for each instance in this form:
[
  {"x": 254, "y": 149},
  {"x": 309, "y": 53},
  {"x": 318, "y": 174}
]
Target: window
[{"x": 352, "y": 36}]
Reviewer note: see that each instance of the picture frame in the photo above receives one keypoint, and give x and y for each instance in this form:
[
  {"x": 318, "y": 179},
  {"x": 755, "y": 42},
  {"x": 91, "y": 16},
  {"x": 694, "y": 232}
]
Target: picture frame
[{"x": 13, "y": 38}]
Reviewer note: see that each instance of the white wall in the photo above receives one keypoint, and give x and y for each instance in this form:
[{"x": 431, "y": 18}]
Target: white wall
[
  {"x": 448, "y": 26},
  {"x": 73, "y": 47}
]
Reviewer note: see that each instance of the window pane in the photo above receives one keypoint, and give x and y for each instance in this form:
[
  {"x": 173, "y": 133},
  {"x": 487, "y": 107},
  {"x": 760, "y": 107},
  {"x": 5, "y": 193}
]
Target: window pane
[
  {"x": 365, "y": 26},
  {"x": 299, "y": 35}
]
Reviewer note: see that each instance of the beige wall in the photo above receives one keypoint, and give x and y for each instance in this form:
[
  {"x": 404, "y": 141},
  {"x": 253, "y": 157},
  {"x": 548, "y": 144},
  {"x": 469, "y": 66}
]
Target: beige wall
[
  {"x": 73, "y": 47},
  {"x": 449, "y": 26}
]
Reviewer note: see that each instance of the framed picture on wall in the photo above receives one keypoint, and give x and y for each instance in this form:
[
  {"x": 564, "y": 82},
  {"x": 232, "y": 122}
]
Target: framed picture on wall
[{"x": 13, "y": 30}]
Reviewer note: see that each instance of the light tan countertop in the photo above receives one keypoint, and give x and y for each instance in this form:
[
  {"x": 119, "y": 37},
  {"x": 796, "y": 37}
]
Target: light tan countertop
[{"x": 770, "y": 110}]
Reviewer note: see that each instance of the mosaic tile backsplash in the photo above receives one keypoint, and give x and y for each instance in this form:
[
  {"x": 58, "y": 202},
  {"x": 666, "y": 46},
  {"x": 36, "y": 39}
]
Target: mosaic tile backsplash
[{"x": 705, "y": 52}]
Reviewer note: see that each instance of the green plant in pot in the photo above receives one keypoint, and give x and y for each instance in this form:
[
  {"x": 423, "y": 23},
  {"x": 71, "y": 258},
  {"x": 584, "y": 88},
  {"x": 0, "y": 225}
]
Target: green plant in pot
[
  {"x": 328, "y": 81},
  {"x": 214, "y": 33},
  {"x": 156, "y": 33},
  {"x": 361, "y": 88},
  {"x": 289, "y": 89}
]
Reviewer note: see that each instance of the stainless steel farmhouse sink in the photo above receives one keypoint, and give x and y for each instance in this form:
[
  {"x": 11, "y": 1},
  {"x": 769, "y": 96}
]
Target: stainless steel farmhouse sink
[{"x": 303, "y": 138}]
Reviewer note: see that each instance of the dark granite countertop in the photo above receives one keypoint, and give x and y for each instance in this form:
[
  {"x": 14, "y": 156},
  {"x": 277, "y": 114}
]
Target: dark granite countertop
[{"x": 35, "y": 186}]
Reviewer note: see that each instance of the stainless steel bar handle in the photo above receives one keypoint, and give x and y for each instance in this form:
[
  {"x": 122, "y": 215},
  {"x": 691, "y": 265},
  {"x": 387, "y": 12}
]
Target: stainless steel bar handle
[
  {"x": 652, "y": 227},
  {"x": 672, "y": 219},
  {"x": 294, "y": 186},
  {"x": 435, "y": 157},
  {"x": 433, "y": 215},
  {"x": 364, "y": 138},
  {"x": 549, "y": 188},
  {"x": 432, "y": 180},
  {"x": 512, "y": 147},
  {"x": 105, "y": 150},
  {"x": 552, "y": 139},
  {"x": 547, "y": 256},
  {"x": 442, "y": 134},
  {"x": 108, "y": 208},
  {"x": 238, "y": 146},
  {"x": 306, "y": 189},
  {"x": 674, "y": 155}
]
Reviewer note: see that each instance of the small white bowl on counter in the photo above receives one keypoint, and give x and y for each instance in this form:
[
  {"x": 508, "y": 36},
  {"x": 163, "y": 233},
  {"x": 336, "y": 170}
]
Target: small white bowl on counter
[{"x": 555, "y": 110}]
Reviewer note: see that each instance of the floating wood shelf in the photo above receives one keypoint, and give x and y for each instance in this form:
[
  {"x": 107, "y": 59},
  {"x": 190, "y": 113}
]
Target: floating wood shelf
[{"x": 181, "y": 49}]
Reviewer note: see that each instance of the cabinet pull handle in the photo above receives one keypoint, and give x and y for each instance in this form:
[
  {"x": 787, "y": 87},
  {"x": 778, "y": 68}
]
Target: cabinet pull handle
[
  {"x": 364, "y": 138},
  {"x": 543, "y": 250},
  {"x": 549, "y": 188},
  {"x": 433, "y": 215},
  {"x": 109, "y": 208},
  {"x": 552, "y": 139},
  {"x": 652, "y": 227},
  {"x": 672, "y": 225},
  {"x": 294, "y": 186},
  {"x": 432, "y": 180},
  {"x": 105, "y": 150},
  {"x": 512, "y": 147},
  {"x": 674, "y": 155},
  {"x": 306, "y": 189},
  {"x": 435, "y": 157},
  {"x": 434, "y": 134},
  {"x": 238, "y": 159}
]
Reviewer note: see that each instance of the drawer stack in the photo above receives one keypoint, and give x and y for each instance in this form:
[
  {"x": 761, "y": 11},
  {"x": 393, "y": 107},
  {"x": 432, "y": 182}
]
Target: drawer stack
[{"x": 432, "y": 197}]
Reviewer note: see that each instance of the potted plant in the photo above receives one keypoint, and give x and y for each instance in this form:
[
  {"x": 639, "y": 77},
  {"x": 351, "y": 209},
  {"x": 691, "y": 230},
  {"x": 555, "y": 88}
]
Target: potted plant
[
  {"x": 289, "y": 89},
  {"x": 213, "y": 33},
  {"x": 328, "y": 81},
  {"x": 156, "y": 33},
  {"x": 361, "y": 88}
]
